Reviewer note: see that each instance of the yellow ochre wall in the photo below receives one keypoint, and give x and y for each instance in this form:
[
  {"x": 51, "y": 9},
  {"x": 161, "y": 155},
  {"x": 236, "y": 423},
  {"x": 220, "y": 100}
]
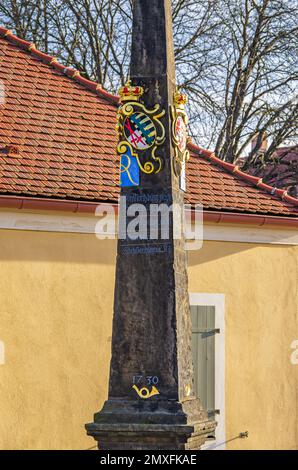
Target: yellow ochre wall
[
  {"x": 261, "y": 322},
  {"x": 56, "y": 293}
]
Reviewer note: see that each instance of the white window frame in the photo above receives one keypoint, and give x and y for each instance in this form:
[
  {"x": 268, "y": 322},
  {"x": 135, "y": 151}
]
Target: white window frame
[{"x": 217, "y": 301}]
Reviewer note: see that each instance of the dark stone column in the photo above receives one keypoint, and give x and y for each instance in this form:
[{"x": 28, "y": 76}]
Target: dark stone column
[{"x": 151, "y": 344}]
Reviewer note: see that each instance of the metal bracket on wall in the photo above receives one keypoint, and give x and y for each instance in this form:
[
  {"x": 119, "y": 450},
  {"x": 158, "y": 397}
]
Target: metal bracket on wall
[
  {"x": 213, "y": 412},
  {"x": 206, "y": 332}
]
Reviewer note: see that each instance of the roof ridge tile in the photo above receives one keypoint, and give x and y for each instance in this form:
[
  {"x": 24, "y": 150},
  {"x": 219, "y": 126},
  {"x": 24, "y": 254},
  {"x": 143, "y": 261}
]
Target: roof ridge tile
[
  {"x": 290, "y": 199},
  {"x": 53, "y": 62}
]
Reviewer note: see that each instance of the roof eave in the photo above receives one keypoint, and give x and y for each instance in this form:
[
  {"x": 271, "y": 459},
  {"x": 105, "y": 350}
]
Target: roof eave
[{"x": 73, "y": 206}]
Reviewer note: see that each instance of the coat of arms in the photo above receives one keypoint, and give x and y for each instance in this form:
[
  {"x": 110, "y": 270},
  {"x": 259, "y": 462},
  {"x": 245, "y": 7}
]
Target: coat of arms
[
  {"x": 140, "y": 134},
  {"x": 179, "y": 136}
]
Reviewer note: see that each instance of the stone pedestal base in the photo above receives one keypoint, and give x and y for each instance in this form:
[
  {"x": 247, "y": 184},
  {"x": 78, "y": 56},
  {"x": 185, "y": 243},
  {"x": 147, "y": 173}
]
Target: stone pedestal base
[
  {"x": 163, "y": 425},
  {"x": 149, "y": 437}
]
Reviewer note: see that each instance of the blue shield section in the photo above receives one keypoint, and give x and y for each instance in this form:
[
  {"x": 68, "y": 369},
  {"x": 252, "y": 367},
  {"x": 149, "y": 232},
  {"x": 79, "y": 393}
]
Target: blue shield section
[{"x": 129, "y": 170}]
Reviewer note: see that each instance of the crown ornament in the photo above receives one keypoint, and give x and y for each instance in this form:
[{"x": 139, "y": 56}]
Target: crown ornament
[
  {"x": 128, "y": 92},
  {"x": 180, "y": 99}
]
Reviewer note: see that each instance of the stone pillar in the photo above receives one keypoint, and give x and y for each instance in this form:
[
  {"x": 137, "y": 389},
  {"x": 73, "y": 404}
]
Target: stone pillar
[{"x": 151, "y": 404}]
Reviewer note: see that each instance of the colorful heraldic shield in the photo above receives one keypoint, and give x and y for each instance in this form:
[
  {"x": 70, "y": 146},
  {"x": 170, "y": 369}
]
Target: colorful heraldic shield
[
  {"x": 140, "y": 134},
  {"x": 179, "y": 136},
  {"x": 129, "y": 168},
  {"x": 140, "y": 131}
]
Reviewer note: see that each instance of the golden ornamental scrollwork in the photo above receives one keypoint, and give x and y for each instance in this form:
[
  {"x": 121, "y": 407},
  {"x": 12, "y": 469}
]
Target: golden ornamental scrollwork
[
  {"x": 140, "y": 132},
  {"x": 179, "y": 132}
]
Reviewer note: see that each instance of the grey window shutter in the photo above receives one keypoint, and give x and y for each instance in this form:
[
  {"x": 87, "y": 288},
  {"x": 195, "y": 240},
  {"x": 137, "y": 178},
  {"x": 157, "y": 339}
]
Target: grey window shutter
[{"x": 203, "y": 349}]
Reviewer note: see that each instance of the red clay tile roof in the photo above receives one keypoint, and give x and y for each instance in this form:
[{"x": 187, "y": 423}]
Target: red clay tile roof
[
  {"x": 58, "y": 140},
  {"x": 282, "y": 170},
  {"x": 222, "y": 185}
]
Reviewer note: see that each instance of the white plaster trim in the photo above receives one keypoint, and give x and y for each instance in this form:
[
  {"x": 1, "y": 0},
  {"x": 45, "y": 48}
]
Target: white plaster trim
[
  {"x": 85, "y": 223},
  {"x": 249, "y": 234},
  {"x": 41, "y": 222},
  {"x": 218, "y": 301}
]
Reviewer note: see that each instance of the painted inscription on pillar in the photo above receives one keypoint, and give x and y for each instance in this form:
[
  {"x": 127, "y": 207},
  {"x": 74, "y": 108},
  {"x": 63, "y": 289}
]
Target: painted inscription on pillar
[
  {"x": 147, "y": 391},
  {"x": 139, "y": 219},
  {"x": 140, "y": 134}
]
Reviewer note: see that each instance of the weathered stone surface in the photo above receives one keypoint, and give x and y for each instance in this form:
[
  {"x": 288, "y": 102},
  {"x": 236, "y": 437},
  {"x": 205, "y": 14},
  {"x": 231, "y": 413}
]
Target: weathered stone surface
[
  {"x": 151, "y": 324},
  {"x": 149, "y": 437}
]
